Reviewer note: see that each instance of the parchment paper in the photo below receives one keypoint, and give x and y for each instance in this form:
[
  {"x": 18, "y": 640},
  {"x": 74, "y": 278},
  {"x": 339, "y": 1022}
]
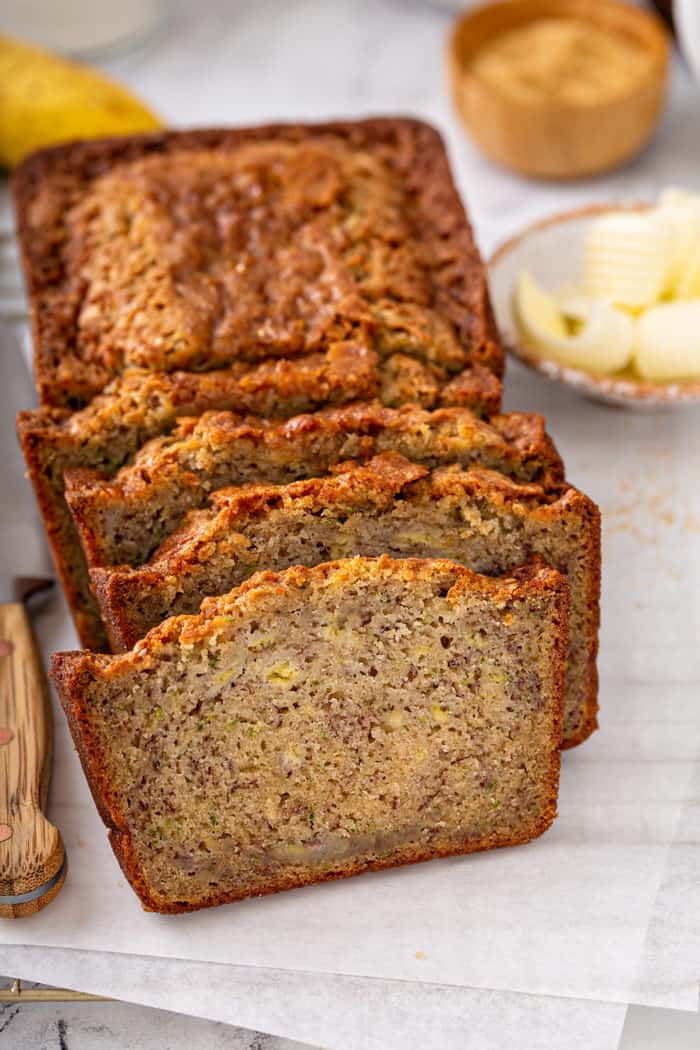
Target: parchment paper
[
  {"x": 593, "y": 909},
  {"x": 670, "y": 956},
  {"x": 335, "y": 1012},
  {"x": 566, "y": 915}
]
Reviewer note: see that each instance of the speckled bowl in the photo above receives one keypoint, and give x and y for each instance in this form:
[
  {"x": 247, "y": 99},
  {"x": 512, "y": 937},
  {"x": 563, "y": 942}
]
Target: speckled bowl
[{"x": 552, "y": 250}]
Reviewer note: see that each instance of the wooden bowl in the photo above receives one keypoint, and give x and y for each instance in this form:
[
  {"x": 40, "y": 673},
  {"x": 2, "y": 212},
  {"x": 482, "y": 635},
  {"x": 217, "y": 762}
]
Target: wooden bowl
[
  {"x": 552, "y": 251},
  {"x": 553, "y": 138}
]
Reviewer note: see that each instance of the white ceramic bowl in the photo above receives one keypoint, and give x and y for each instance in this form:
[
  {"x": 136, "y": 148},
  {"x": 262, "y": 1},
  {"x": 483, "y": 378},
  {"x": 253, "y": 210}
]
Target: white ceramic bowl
[
  {"x": 552, "y": 251},
  {"x": 686, "y": 14}
]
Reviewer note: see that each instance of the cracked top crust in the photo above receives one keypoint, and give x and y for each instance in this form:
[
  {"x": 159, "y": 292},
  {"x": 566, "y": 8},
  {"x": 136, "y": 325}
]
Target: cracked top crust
[{"x": 191, "y": 250}]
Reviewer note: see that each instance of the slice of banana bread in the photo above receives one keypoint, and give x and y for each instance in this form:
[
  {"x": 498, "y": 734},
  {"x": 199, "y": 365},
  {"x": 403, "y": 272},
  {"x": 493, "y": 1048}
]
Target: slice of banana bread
[
  {"x": 123, "y": 519},
  {"x": 476, "y": 517},
  {"x": 322, "y": 722},
  {"x": 139, "y": 405},
  {"x": 190, "y": 250}
]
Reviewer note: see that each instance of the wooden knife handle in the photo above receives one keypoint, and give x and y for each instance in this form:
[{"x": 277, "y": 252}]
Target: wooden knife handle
[{"x": 32, "y": 855}]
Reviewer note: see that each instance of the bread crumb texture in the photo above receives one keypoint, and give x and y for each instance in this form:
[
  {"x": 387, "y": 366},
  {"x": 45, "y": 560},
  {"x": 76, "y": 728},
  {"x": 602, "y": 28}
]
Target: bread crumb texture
[
  {"x": 238, "y": 753},
  {"x": 476, "y": 517}
]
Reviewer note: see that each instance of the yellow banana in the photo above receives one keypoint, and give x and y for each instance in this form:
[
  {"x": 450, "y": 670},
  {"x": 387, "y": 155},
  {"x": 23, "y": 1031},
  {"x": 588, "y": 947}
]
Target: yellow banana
[{"x": 46, "y": 99}]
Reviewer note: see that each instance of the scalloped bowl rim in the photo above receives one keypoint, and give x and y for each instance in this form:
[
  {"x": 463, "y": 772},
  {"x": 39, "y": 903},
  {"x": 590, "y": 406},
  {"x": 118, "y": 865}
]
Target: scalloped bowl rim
[{"x": 614, "y": 389}]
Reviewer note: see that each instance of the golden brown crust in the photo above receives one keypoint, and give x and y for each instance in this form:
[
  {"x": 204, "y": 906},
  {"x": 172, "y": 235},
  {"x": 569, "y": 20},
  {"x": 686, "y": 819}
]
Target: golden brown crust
[
  {"x": 533, "y": 576},
  {"x": 71, "y": 670},
  {"x": 137, "y": 406},
  {"x": 518, "y": 439},
  {"x": 58, "y": 193},
  {"x": 140, "y": 405},
  {"x": 388, "y": 474},
  {"x": 476, "y": 387},
  {"x": 119, "y": 590},
  {"x": 350, "y": 483},
  {"x": 589, "y": 720},
  {"x": 181, "y": 466}
]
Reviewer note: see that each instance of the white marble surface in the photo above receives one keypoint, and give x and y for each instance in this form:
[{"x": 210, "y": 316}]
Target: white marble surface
[
  {"x": 354, "y": 1014},
  {"x": 124, "y": 1026},
  {"x": 526, "y": 1024},
  {"x": 242, "y": 62},
  {"x": 120, "y": 1026}
]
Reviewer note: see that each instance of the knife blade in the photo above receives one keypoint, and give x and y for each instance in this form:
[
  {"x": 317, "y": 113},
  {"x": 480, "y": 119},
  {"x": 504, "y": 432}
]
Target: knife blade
[{"x": 32, "y": 854}]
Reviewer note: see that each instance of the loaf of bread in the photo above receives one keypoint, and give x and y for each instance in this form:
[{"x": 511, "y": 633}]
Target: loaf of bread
[
  {"x": 476, "y": 517},
  {"x": 322, "y": 722},
  {"x": 270, "y": 382},
  {"x": 122, "y": 519},
  {"x": 192, "y": 250}
]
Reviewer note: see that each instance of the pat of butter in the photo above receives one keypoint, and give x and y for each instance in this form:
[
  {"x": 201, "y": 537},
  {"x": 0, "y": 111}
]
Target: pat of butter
[
  {"x": 668, "y": 342},
  {"x": 629, "y": 258},
  {"x": 688, "y": 284},
  {"x": 604, "y": 342},
  {"x": 682, "y": 210}
]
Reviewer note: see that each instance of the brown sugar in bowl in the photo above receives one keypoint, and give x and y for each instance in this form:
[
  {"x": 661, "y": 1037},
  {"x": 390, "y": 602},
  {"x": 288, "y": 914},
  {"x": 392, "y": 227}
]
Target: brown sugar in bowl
[{"x": 559, "y": 88}]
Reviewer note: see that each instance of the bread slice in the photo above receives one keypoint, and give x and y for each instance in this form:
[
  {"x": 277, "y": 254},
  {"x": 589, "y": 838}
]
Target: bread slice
[
  {"x": 191, "y": 250},
  {"x": 321, "y": 722},
  {"x": 476, "y": 517},
  {"x": 139, "y": 405},
  {"x": 121, "y": 520}
]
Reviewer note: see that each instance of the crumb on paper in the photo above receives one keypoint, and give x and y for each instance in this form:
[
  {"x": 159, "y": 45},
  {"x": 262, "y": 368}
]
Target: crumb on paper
[
  {"x": 691, "y": 523},
  {"x": 646, "y": 506}
]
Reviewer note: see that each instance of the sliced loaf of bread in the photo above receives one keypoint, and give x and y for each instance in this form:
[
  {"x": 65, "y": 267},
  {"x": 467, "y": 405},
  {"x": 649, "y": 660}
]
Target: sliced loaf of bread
[
  {"x": 476, "y": 517},
  {"x": 322, "y": 722}
]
